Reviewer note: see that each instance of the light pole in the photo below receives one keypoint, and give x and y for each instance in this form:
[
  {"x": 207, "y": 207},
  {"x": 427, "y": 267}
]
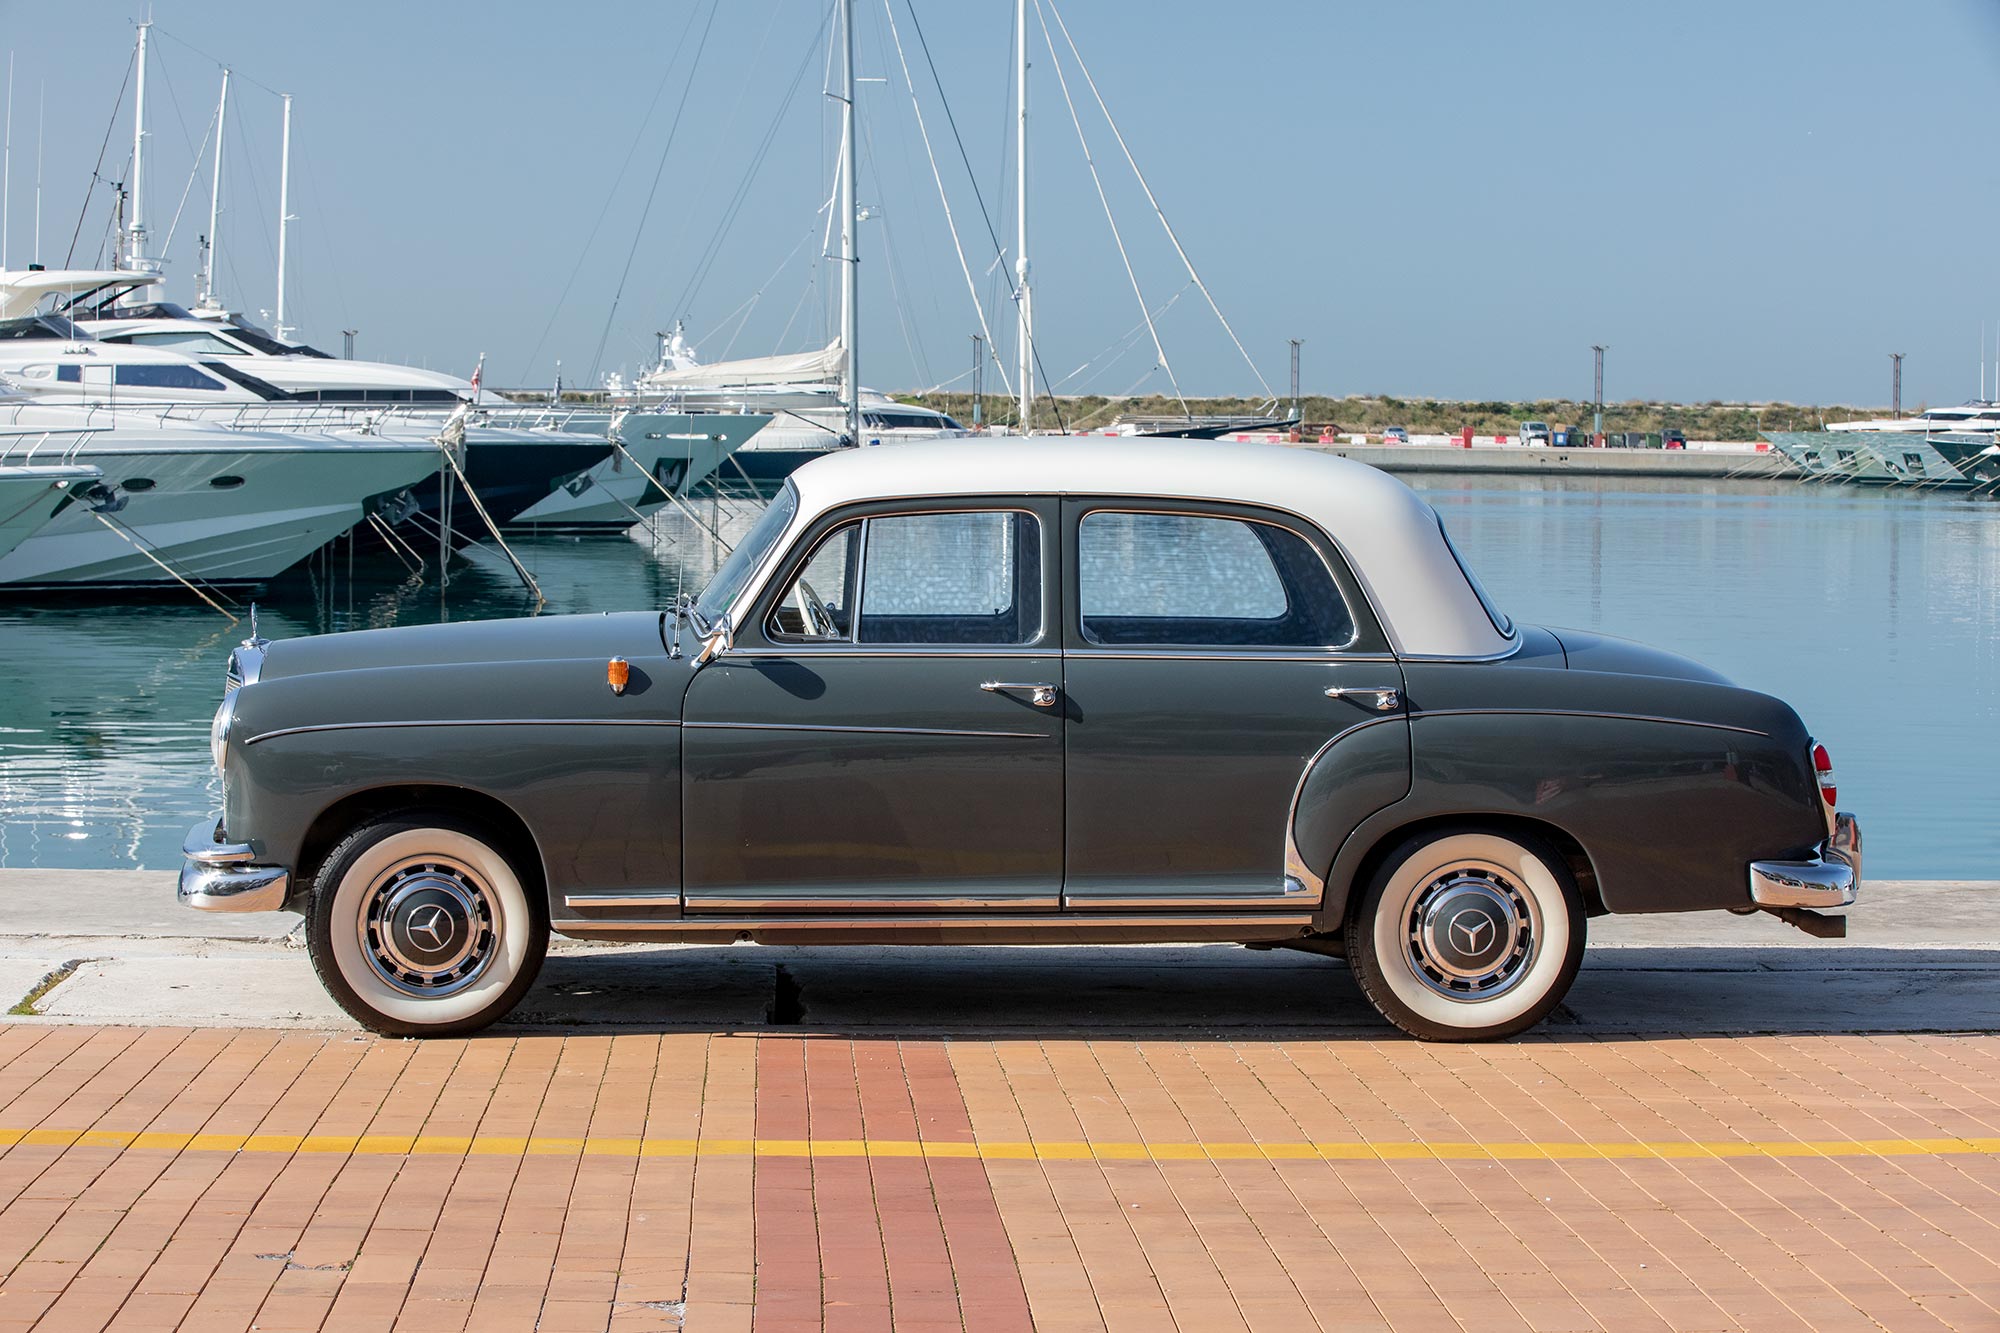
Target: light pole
[
  {"x": 1597, "y": 419},
  {"x": 978, "y": 377},
  {"x": 1896, "y": 385},
  {"x": 1298, "y": 412}
]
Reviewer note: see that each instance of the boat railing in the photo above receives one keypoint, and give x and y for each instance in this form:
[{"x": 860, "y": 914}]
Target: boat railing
[{"x": 21, "y": 447}]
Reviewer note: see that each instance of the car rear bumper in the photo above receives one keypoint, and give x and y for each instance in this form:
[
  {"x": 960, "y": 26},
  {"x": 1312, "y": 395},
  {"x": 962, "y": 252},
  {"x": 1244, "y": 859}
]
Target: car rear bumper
[
  {"x": 218, "y": 876},
  {"x": 1830, "y": 879}
]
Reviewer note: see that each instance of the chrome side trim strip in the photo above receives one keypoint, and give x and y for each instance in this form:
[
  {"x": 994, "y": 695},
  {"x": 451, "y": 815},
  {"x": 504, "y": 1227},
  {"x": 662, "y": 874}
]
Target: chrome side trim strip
[
  {"x": 1080, "y": 908},
  {"x": 1330, "y": 656},
  {"x": 894, "y": 650},
  {"x": 1417, "y": 715},
  {"x": 866, "y": 731},
  {"x": 751, "y": 925},
  {"x": 471, "y": 722},
  {"x": 656, "y": 901}
]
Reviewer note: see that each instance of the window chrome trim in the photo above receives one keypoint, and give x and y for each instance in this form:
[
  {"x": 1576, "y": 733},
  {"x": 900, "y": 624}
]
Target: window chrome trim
[
  {"x": 868, "y": 731},
  {"x": 1111, "y": 507},
  {"x": 467, "y": 722},
  {"x": 1041, "y": 637}
]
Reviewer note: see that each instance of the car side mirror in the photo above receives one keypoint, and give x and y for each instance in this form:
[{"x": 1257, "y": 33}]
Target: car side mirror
[{"x": 721, "y": 637}]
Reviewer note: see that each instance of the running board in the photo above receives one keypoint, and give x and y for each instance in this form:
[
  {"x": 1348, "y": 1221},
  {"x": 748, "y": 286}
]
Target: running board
[{"x": 1070, "y": 928}]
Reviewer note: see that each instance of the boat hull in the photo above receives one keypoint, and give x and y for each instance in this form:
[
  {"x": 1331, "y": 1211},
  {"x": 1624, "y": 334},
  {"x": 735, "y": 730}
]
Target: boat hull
[
  {"x": 664, "y": 454},
  {"x": 276, "y": 505},
  {"x": 510, "y": 471},
  {"x": 30, "y": 497}
]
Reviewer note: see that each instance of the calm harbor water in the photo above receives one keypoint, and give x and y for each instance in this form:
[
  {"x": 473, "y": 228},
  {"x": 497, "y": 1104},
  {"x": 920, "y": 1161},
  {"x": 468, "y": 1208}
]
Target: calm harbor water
[{"x": 1876, "y": 615}]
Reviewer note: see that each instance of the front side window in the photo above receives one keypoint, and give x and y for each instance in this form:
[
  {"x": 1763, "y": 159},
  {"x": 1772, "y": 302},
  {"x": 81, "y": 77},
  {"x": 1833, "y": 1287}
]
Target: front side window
[
  {"x": 1195, "y": 580},
  {"x": 970, "y": 578}
]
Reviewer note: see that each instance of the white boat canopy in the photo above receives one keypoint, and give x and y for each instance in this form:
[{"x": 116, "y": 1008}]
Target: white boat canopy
[
  {"x": 21, "y": 291},
  {"x": 823, "y": 366}
]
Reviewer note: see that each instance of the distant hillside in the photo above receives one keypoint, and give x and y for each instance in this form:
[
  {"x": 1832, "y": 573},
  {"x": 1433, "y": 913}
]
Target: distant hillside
[
  {"x": 1430, "y": 416},
  {"x": 1372, "y": 414}
]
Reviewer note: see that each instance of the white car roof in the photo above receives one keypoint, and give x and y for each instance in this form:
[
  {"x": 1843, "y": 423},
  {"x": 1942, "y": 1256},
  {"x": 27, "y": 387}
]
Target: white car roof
[{"x": 1390, "y": 536}]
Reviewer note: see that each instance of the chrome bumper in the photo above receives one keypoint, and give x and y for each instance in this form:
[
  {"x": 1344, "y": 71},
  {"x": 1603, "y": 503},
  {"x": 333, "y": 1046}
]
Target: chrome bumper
[
  {"x": 1831, "y": 879},
  {"x": 220, "y": 877}
]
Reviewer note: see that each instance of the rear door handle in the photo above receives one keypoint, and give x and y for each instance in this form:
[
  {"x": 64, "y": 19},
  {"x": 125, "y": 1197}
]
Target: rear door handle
[
  {"x": 1387, "y": 697},
  {"x": 1040, "y": 693}
]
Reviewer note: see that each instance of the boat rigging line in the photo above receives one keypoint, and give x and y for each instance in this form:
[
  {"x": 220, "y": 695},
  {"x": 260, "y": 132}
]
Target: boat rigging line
[
  {"x": 972, "y": 288},
  {"x": 97, "y": 172},
  {"x": 639, "y": 232},
  {"x": 1158, "y": 212},
  {"x": 1090, "y": 160}
]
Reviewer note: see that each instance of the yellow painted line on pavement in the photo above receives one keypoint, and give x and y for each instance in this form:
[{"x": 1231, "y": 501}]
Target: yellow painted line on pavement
[{"x": 1045, "y": 1150}]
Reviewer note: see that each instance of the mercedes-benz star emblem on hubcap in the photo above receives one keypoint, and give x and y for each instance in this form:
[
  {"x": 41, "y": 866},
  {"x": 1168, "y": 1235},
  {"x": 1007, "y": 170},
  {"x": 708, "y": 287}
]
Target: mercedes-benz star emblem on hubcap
[
  {"x": 1468, "y": 929},
  {"x": 431, "y": 921}
]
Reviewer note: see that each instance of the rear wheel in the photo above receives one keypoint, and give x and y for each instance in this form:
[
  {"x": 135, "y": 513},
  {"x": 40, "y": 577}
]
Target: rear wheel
[
  {"x": 1467, "y": 935},
  {"x": 420, "y": 926}
]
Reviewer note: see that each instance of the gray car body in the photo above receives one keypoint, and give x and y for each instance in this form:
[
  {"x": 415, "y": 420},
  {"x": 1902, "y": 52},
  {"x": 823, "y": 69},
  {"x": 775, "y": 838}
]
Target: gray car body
[{"x": 700, "y": 803}]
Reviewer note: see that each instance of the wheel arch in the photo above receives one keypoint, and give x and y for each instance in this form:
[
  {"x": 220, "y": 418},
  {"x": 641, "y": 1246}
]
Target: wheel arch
[
  {"x": 1559, "y": 839},
  {"x": 342, "y": 817}
]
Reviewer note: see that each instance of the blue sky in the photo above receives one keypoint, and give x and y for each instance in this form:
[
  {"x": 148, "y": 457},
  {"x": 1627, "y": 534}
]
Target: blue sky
[{"x": 1746, "y": 201}]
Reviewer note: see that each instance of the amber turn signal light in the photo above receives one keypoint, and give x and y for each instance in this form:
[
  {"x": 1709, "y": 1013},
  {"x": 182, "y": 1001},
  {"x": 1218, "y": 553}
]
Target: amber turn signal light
[{"x": 617, "y": 672}]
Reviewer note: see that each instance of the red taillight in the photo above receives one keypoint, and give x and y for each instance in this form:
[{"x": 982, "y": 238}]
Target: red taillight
[{"x": 1823, "y": 769}]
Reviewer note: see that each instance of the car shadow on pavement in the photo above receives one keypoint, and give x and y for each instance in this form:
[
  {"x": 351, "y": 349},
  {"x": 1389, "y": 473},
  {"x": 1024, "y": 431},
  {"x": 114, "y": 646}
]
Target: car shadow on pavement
[{"x": 1219, "y": 990}]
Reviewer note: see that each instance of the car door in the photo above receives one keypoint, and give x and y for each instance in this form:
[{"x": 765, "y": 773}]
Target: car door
[
  {"x": 1213, "y": 655},
  {"x": 886, "y": 731}
]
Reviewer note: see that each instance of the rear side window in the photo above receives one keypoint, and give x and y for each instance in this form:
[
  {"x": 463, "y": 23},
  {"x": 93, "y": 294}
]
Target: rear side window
[
  {"x": 971, "y": 578},
  {"x": 1196, "y": 580}
]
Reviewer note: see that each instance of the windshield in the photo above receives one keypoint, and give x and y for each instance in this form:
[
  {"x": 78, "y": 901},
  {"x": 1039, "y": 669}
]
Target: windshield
[
  {"x": 728, "y": 582},
  {"x": 1501, "y": 620}
]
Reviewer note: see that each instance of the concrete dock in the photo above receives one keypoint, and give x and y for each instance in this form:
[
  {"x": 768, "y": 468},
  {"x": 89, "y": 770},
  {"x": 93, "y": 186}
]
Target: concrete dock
[{"x": 1921, "y": 956}]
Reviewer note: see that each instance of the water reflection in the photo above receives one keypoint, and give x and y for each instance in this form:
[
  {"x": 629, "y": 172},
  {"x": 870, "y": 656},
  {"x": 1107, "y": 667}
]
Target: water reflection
[{"x": 1877, "y": 615}]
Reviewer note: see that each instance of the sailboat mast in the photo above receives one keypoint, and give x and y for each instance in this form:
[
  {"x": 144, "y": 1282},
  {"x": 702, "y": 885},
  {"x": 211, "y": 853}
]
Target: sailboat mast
[
  {"x": 7, "y": 166},
  {"x": 850, "y": 260},
  {"x": 135, "y": 231},
  {"x": 207, "y": 293},
  {"x": 282, "y": 329},
  {"x": 1025, "y": 343}
]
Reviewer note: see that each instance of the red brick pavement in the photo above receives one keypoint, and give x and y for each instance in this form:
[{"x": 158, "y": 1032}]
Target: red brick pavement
[{"x": 229, "y": 1180}]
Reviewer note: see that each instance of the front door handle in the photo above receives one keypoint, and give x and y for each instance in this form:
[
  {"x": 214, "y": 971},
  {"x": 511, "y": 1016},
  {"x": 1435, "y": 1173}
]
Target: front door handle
[
  {"x": 1040, "y": 693},
  {"x": 1387, "y": 697}
]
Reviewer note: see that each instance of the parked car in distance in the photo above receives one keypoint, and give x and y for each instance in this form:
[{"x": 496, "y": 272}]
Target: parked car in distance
[
  {"x": 1027, "y": 692},
  {"x": 1534, "y": 432},
  {"x": 1673, "y": 437},
  {"x": 1396, "y": 435}
]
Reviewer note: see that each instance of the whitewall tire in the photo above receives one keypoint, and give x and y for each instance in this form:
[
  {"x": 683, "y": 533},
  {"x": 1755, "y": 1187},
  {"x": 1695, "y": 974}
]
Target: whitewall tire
[
  {"x": 421, "y": 926},
  {"x": 1464, "y": 934}
]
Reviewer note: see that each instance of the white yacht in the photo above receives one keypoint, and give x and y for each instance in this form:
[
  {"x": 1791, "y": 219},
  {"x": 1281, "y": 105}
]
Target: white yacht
[
  {"x": 183, "y": 501},
  {"x": 31, "y": 496},
  {"x": 560, "y": 470}
]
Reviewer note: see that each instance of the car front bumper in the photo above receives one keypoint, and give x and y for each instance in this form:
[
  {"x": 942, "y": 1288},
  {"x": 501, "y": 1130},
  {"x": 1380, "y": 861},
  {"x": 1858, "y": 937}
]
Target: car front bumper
[
  {"x": 219, "y": 876},
  {"x": 1830, "y": 879}
]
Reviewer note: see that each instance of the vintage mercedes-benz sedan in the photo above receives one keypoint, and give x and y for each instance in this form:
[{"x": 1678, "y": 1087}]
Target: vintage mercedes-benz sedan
[{"x": 1022, "y": 692}]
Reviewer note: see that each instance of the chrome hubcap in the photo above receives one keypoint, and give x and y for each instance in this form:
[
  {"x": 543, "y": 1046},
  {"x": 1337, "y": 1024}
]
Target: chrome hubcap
[
  {"x": 428, "y": 927},
  {"x": 1470, "y": 933}
]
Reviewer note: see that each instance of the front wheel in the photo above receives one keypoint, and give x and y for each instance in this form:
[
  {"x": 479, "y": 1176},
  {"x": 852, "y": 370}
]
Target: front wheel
[
  {"x": 420, "y": 926},
  {"x": 1467, "y": 935}
]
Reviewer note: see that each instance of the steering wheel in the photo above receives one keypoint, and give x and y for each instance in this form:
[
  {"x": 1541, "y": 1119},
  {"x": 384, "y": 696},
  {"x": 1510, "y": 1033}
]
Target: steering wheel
[{"x": 813, "y": 614}]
